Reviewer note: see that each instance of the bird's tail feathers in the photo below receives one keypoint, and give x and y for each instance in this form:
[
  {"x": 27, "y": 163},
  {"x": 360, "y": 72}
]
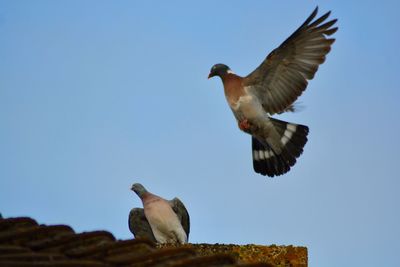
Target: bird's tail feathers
[{"x": 293, "y": 137}]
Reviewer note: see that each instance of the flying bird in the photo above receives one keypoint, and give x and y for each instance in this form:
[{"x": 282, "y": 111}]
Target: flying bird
[
  {"x": 160, "y": 220},
  {"x": 272, "y": 88}
]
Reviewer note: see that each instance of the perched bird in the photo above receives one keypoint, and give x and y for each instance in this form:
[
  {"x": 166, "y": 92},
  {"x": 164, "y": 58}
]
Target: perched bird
[
  {"x": 273, "y": 88},
  {"x": 160, "y": 220}
]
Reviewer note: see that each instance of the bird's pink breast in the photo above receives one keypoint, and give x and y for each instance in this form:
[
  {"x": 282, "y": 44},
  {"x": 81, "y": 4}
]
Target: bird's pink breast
[{"x": 233, "y": 88}]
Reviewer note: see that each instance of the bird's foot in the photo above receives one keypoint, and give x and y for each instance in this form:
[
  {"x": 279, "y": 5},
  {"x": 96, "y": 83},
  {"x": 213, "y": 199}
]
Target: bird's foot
[{"x": 244, "y": 125}]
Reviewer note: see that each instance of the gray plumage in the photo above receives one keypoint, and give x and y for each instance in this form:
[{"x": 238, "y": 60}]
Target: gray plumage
[
  {"x": 139, "y": 226},
  {"x": 182, "y": 213},
  {"x": 156, "y": 221}
]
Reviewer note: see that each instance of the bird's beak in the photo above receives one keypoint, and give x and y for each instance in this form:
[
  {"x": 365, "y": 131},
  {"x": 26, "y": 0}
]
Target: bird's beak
[{"x": 209, "y": 76}]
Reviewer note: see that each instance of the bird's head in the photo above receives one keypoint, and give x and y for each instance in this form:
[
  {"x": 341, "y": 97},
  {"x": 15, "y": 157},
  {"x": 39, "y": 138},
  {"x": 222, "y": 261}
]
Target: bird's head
[
  {"x": 138, "y": 189},
  {"x": 219, "y": 70}
]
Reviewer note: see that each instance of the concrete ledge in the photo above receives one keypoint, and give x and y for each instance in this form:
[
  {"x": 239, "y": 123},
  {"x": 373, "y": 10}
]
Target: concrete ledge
[{"x": 273, "y": 254}]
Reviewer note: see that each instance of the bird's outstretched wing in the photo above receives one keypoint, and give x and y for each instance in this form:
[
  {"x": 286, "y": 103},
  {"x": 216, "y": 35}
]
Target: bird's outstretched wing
[
  {"x": 182, "y": 213},
  {"x": 139, "y": 225},
  {"x": 282, "y": 76}
]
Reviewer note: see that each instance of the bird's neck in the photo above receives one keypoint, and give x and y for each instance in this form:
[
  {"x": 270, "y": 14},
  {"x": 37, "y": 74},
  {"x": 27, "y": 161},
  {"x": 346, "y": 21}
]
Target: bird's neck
[{"x": 149, "y": 198}]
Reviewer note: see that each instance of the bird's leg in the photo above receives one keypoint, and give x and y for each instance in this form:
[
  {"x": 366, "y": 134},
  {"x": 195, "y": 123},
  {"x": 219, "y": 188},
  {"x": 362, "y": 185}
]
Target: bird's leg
[{"x": 244, "y": 125}]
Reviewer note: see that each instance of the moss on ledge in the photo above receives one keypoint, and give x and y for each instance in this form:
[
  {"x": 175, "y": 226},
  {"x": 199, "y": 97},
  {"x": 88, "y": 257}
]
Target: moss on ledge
[{"x": 275, "y": 255}]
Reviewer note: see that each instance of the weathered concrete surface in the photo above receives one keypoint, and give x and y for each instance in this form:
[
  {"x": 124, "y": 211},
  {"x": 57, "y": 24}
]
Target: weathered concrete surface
[{"x": 273, "y": 254}]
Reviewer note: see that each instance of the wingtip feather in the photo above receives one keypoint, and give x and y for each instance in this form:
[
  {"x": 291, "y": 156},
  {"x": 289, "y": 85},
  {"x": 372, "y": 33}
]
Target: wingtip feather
[
  {"x": 331, "y": 31},
  {"x": 320, "y": 20},
  {"x": 311, "y": 17}
]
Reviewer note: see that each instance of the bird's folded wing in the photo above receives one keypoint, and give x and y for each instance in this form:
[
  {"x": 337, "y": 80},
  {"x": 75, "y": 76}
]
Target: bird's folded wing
[
  {"x": 282, "y": 76},
  {"x": 139, "y": 226},
  {"x": 182, "y": 213}
]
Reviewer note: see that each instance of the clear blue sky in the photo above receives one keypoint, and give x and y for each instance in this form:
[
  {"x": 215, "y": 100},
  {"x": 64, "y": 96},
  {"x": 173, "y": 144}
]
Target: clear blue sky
[{"x": 97, "y": 95}]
